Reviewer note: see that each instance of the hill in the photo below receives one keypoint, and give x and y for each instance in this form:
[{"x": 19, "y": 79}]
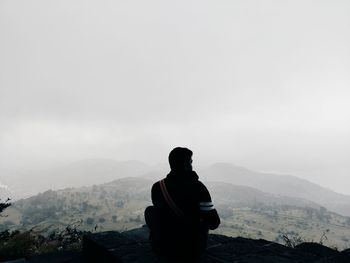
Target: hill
[
  {"x": 98, "y": 171},
  {"x": 119, "y": 205},
  {"x": 285, "y": 185}
]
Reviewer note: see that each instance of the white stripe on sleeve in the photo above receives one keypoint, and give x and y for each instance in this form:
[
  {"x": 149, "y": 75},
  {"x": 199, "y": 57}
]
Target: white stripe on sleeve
[{"x": 208, "y": 208}]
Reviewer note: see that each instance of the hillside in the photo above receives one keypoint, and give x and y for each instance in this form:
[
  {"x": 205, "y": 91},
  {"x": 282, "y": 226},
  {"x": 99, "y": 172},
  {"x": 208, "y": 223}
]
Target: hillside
[
  {"x": 119, "y": 205},
  {"x": 98, "y": 171},
  {"x": 284, "y": 185}
]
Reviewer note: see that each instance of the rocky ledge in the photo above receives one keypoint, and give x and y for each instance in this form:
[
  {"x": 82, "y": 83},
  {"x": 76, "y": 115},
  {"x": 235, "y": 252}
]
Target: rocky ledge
[{"x": 133, "y": 247}]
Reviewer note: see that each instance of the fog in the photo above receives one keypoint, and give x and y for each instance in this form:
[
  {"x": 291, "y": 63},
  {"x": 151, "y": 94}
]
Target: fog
[{"x": 260, "y": 84}]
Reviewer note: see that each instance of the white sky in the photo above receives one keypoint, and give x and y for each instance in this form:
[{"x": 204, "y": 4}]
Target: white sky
[{"x": 262, "y": 84}]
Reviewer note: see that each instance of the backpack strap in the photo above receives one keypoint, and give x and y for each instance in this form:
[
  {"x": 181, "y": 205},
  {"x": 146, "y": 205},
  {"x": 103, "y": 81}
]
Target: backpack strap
[{"x": 170, "y": 201}]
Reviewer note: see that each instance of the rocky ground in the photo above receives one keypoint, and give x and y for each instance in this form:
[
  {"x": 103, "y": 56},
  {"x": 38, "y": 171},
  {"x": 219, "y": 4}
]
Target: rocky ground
[{"x": 133, "y": 247}]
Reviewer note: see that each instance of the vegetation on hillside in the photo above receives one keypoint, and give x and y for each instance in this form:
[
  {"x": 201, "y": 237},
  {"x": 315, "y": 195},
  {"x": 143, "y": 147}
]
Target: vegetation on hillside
[
  {"x": 59, "y": 219},
  {"x": 4, "y": 205},
  {"x": 16, "y": 244}
]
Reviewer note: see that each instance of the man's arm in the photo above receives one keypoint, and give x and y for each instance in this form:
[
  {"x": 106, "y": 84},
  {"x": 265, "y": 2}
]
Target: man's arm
[
  {"x": 154, "y": 194},
  {"x": 207, "y": 210}
]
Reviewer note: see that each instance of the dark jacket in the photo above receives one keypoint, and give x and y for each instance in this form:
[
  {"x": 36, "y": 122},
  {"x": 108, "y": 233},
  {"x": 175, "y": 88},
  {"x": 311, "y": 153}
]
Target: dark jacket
[{"x": 193, "y": 198}]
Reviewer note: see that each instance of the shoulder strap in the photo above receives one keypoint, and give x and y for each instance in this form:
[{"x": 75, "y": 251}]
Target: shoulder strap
[{"x": 170, "y": 201}]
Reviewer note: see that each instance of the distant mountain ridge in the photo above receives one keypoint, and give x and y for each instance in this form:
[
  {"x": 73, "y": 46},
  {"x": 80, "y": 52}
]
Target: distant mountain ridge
[
  {"x": 89, "y": 172},
  {"x": 286, "y": 185},
  {"x": 227, "y": 193},
  {"x": 85, "y": 172}
]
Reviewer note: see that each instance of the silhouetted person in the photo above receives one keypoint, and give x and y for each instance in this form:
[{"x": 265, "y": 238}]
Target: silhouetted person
[{"x": 182, "y": 212}]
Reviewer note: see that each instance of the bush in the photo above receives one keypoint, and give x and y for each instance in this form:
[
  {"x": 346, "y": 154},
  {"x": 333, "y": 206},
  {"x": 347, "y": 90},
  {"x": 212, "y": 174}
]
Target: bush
[
  {"x": 292, "y": 240},
  {"x": 4, "y": 205},
  {"x": 17, "y": 245}
]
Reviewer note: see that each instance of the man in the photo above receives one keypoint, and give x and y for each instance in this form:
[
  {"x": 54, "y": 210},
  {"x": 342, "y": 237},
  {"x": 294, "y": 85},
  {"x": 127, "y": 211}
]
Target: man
[{"x": 182, "y": 212}]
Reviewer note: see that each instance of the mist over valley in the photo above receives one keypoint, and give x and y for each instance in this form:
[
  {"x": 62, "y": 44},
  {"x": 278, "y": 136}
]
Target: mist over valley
[{"x": 104, "y": 194}]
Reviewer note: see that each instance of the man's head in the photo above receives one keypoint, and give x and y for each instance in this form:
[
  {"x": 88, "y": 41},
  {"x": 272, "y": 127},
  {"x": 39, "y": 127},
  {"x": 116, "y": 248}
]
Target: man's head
[{"x": 180, "y": 159}]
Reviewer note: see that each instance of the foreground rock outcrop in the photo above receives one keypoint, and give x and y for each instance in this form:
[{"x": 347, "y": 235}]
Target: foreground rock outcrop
[{"x": 133, "y": 247}]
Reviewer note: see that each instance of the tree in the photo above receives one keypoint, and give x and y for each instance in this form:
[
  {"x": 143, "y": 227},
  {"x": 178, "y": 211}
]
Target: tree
[{"x": 4, "y": 205}]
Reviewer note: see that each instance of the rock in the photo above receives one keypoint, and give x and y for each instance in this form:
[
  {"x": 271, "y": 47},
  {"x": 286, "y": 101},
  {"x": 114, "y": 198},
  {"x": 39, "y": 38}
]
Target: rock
[
  {"x": 222, "y": 249},
  {"x": 316, "y": 249},
  {"x": 133, "y": 247},
  {"x": 58, "y": 257},
  {"x": 117, "y": 247}
]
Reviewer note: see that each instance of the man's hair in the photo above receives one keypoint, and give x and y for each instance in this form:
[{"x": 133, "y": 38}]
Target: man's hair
[{"x": 178, "y": 157}]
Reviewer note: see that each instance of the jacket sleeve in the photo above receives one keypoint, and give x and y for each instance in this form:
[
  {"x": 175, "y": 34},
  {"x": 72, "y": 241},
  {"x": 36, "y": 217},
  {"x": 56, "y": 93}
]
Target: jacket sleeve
[
  {"x": 207, "y": 210},
  {"x": 155, "y": 194}
]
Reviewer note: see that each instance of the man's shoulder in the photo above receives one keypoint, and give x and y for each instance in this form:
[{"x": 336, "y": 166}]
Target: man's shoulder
[
  {"x": 157, "y": 184},
  {"x": 200, "y": 184},
  {"x": 203, "y": 192}
]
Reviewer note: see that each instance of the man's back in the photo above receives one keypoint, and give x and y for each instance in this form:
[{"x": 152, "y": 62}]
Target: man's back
[
  {"x": 189, "y": 194},
  {"x": 187, "y": 234},
  {"x": 182, "y": 211}
]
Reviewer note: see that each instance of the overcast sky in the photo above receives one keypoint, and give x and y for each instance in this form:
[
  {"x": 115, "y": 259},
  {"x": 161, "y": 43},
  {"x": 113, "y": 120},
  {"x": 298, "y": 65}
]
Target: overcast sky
[{"x": 261, "y": 84}]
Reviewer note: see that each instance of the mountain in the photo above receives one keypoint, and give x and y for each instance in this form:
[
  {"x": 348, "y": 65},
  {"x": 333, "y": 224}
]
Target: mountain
[
  {"x": 243, "y": 196},
  {"x": 285, "y": 185},
  {"x": 248, "y": 214},
  {"x": 120, "y": 204},
  {"x": 98, "y": 171},
  {"x": 77, "y": 174}
]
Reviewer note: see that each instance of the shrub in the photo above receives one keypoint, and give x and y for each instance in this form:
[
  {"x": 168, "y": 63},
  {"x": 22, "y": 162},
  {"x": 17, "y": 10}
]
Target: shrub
[
  {"x": 4, "y": 205},
  {"x": 15, "y": 245},
  {"x": 23, "y": 244},
  {"x": 292, "y": 240}
]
